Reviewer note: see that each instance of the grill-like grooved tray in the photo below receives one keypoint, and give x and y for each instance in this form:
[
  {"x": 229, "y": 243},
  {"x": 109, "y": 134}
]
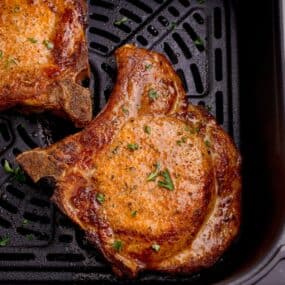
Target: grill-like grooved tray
[{"x": 198, "y": 37}]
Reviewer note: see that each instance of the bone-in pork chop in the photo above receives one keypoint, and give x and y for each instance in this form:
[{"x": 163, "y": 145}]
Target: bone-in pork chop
[
  {"x": 43, "y": 57},
  {"x": 154, "y": 183}
]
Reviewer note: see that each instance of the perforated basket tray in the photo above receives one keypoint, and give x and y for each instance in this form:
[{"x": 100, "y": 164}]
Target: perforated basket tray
[{"x": 198, "y": 37}]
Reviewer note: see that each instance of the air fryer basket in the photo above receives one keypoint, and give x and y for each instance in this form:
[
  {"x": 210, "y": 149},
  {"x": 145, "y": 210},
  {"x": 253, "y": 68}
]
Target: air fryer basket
[{"x": 199, "y": 38}]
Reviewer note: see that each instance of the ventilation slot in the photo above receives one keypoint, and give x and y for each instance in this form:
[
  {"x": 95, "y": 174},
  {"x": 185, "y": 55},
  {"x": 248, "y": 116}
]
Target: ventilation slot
[
  {"x": 65, "y": 223},
  {"x": 4, "y": 223},
  {"x": 163, "y": 21},
  {"x": 218, "y": 65},
  {"x": 173, "y": 11},
  {"x": 183, "y": 79},
  {"x": 9, "y": 207},
  {"x": 37, "y": 218},
  {"x": 31, "y": 235},
  {"x": 185, "y": 3},
  {"x": 16, "y": 256},
  {"x": 99, "y": 47},
  {"x": 15, "y": 192},
  {"x": 170, "y": 53},
  {"x": 103, "y": 4},
  {"x": 142, "y": 40},
  {"x": 183, "y": 46},
  {"x": 141, "y": 5},
  {"x": 4, "y": 131},
  {"x": 16, "y": 151},
  {"x": 65, "y": 238},
  {"x": 152, "y": 30},
  {"x": 26, "y": 138},
  {"x": 104, "y": 34},
  {"x": 195, "y": 38},
  {"x": 99, "y": 17},
  {"x": 123, "y": 27},
  {"x": 130, "y": 15},
  {"x": 198, "y": 18},
  {"x": 40, "y": 203},
  {"x": 219, "y": 107},
  {"x": 197, "y": 78},
  {"x": 68, "y": 257},
  {"x": 217, "y": 23}
]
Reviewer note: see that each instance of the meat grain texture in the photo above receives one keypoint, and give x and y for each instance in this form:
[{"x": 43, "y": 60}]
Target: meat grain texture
[
  {"x": 154, "y": 182},
  {"x": 44, "y": 57}
]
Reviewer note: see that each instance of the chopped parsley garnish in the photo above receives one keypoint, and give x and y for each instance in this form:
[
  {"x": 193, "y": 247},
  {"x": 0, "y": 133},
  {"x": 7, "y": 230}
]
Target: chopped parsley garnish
[
  {"x": 134, "y": 213},
  {"x": 125, "y": 110},
  {"x": 207, "y": 143},
  {"x": 32, "y": 40},
  {"x": 17, "y": 172},
  {"x": 117, "y": 245},
  {"x": 147, "y": 129},
  {"x": 152, "y": 94},
  {"x": 167, "y": 182},
  {"x": 209, "y": 108},
  {"x": 121, "y": 21},
  {"x": 100, "y": 198},
  {"x": 155, "y": 173},
  {"x": 133, "y": 146},
  {"x": 183, "y": 140},
  {"x": 201, "y": 1},
  {"x": 148, "y": 66},
  {"x": 198, "y": 42},
  {"x": 11, "y": 61},
  {"x": 156, "y": 247},
  {"x": 1, "y": 54},
  {"x": 25, "y": 222},
  {"x": 48, "y": 44},
  {"x": 4, "y": 241}
]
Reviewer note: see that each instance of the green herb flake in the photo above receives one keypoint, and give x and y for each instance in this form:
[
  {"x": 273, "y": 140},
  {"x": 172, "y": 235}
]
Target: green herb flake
[
  {"x": 179, "y": 142},
  {"x": 32, "y": 40},
  {"x": 133, "y": 146},
  {"x": 167, "y": 182},
  {"x": 30, "y": 236},
  {"x": 20, "y": 175},
  {"x": 199, "y": 42},
  {"x": 201, "y": 1},
  {"x": 147, "y": 129},
  {"x": 25, "y": 222},
  {"x": 48, "y": 44},
  {"x": 155, "y": 247},
  {"x": 117, "y": 245},
  {"x": 173, "y": 25},
  {"x": 134, "y": 213},
  {"x": 11, "y": 61},
  {"x": 7, "y": 167},
  {"x": 152, "y": 94},
  {"x": 4, "y": 241},
  {"x": 209, "y": 108},
  {"x": 148, "y": 66},
  {"x": 125, "y": 110},
  {"x": 155, "y": 173},
  {"x": 121, "y": 21},
  {"x": 100, "y": 198},
  {"x": 184, "y": 139},
  {"x": 207, "y": 143},
  {"x": 1, "y": 54}
]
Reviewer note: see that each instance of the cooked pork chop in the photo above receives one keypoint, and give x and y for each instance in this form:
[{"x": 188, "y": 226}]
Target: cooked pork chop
[
  {"x": 43, "y": 57},
  {"x": 154, "y": 183}
]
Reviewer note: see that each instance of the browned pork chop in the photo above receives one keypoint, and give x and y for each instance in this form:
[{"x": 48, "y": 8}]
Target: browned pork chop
[
  {"x": 154, "y": 183},
  {"x": 43, "y": 57}
]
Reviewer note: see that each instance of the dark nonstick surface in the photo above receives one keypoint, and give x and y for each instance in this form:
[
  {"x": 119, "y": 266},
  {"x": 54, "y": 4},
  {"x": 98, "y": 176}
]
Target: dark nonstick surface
[{"x": 199, "y": 38}]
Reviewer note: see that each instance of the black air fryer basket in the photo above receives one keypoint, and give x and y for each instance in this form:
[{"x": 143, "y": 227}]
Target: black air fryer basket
[{"x": 229, "y": 55}]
